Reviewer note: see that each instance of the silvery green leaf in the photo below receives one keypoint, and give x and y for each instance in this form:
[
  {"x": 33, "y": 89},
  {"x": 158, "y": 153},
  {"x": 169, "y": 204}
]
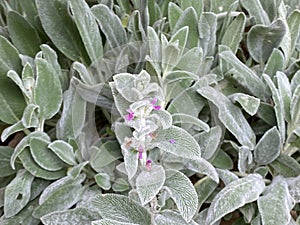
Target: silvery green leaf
[
  {"x": 168, "y": 217},
  {"x": 174, "y": 12},
  {"x": 178, "y": 142},
  {"x": 9, "y": 113},
  {"x": 84, "y": 74},
  {"x": 231, "y": 116},
  {"x": 37, "y": 187},
  {"x": 266, "y": 113},
  {"x": 256, "y": 221},
  {"x": 276, "y": 203},
  {"x": 154, "y": 49},
  {"x": 279, "y": 106},
  {"x": 103, "y": 180},
  {"x": 24, "y": 217},
  {"x": 11, "y": 130},
  {"x": 249, "y": 103},
  {"x": 244, "y": 75},
  {"x": 17, "y": 193},
  {"x": 120, "y": 185},
  {"x": 47, "y": 91},
  {"x": 25, "y": 143},
  {"x": 149, "y": 183},
  {"x": 222, "y": 160},
  {"x": 73, "y": 114},
  {"x": 23, "y": 34},
  {"x": 106, "y": 154},
  {"x": 293, "y": 22},
  {"x": 75, "y": 171},
  {"x": 202, "y": 166},
  {"x": 78, "y": 216},
  {"x": 31, "y": 166},
  {"x": 196, "y": 4},
  {"x": 219, "y": 6},
  {"x": 131, "y": 162},
  {"x": 284, "y": 89},
  {"x": 262, "y": 39},
  {"x": 61, "y": 199},
  {"x": 181, "y": 36},
  {"x": 184, "y": 118},
  {"x": 52, "y": 13},
  {"x": 110, "y": 25},
  {"x": 235, "y": 195},
  {"x": 286, "y": 166},
  {"x": 124, "y": 84},
  {"x": 18, "y": 81},
  {"x": 275, "y": 63},
  {"x": 5, "y": 167},
  {"x": 226, "y": 176},
  {"x": 121, "y": 208},
  {"x": 294, "y": 187},
  {"x": 64, "y": 151},
  {"x": 256, "y": 10},
  {"x": 268, "y": 148},
  {"x": 164, "y": 118},
  {"x": 248, "y": 212},
  {"x": 88, "y": 29},
  {"x": 234, "y": 33},
  {"x": 295, "y": 110},
  {"x": 189, "y": 62},
  {"x": 182, "y": 192},
  {"x": 204, "y": 188},
  {"x": 207, "y": 27},
  {"x": 45, "y": 158},
  {"x": 110, "y": 222},
  {"x": 29, "y": 118},
  {"x": 295, "y": 81},
  {"x": 210, "y": 142},
  {"x": 245, "y": 159},
  {"x": 178, "y": 75},
  {"x": 189, "y": 18}
]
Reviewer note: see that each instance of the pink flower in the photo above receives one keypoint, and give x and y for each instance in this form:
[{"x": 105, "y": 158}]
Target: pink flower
[
  {"x": 153, "y": 103},
  {"x": 172, "y": 141},
  {"x": 141, "y": 150},
  {"x": 148, "y": 164},
  {"x": 130, "y": 115}
]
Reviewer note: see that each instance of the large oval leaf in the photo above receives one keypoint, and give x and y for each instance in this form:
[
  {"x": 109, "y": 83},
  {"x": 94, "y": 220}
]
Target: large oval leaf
[
  {"x": 121, "y": 208},
  {"x": 183, "y": 193},
  {"x": 275, "y": 206},
  {"x": 178, "y": 142},
  {"x": 149, "y": 183},
  {"x": 231, "y": 116},
  {"x": 11, "y": 99},
  {"x": 47, "y": 91},
  {"x": 17, "y": 193},
  {"x": 235, "y": 195}
]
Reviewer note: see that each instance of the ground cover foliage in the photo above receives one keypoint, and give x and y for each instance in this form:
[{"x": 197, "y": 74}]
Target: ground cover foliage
[{"x": 150, "y": 112}]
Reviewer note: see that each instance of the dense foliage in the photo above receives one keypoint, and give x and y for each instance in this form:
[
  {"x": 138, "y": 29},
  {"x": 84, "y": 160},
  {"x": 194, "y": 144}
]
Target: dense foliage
[{"x": 148, "y": 112}]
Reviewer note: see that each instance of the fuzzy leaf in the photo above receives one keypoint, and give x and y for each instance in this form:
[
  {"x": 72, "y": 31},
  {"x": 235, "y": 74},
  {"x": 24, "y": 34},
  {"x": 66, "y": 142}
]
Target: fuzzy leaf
[
  {"x": 110, "y": 222},
  {"x": 249, "y": 103},
  {"x": 17, "y": 193},
  {"x": 174, "y": 12},
  {"x": 78, "y": 216},
  {"x": 64, "y": 151},
  {"x": 284, "y": 89},
  {"x": 204, "y": 189},
  {"x": 5, "y": 167},
  {"x": 234, "y": 195},
  {"x": 286, "y": 166},
  {"x": 121, "y": 208},
  {"x": 149, "y": 183},
  {"x": 11, "y": 99},
  {"x": 183, "y": 193},
  {"x": 178, "y": 142},
  {"x": 88, "y": 29},
  {"x": 168, "y": 217},
  {"x": 23, "y": 35},
  {"x": 295, "y": 110},
  {"x": 255, "y": 9},
  {"x": 275, "y": 205},
  {"x": 184, "y": 118},
  {"x": 47, "y": 91},
  {"x": 262, "y": 39},
  {"x": 103, "y": 180},
  {"x": 61, "y": 199},
  {"x": 234, "y": 33},
  {"x": 279, "y": 107},
  {"x": 231, "y": 116},
  {"x": 45, "y": 158},
  {"x": 59, "y": 26},
  {"x": 202, "y": 166},
  {"x": 294, "y": 188},
  {"x": 275, "y": 63}
]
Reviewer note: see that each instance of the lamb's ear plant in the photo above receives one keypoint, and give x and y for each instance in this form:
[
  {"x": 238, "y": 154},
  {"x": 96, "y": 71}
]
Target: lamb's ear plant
[{"x": 149, "y": 112}]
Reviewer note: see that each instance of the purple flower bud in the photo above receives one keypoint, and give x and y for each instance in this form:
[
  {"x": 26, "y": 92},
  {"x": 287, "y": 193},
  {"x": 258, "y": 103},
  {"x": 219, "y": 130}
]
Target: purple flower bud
[
  {"x": 130, "y": 115},
  {"x": 172, "y": 141},
  {"x": 148, "y": 164},
  {"x": 153, "y": 103},
  {"x": 141, "y": 150}
]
